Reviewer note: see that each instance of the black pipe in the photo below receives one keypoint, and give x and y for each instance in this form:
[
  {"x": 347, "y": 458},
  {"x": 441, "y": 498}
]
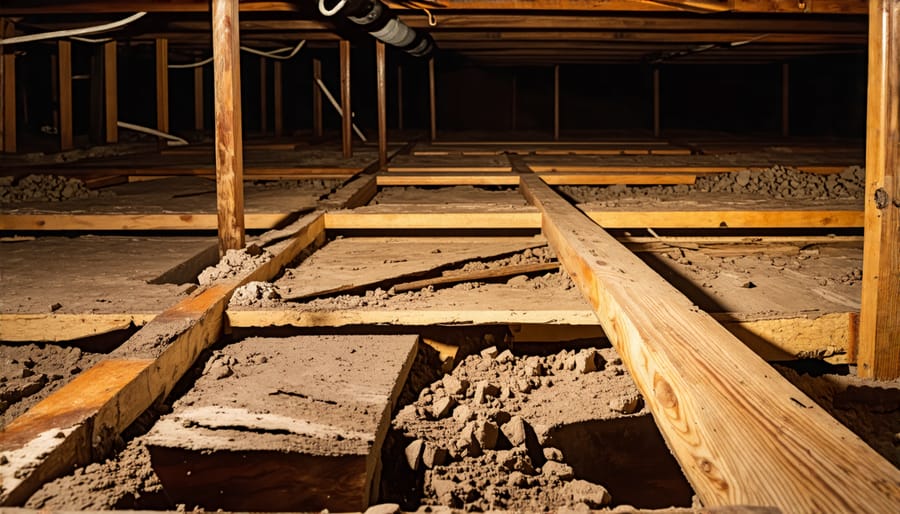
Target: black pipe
[{"x": 378, "y": 20}]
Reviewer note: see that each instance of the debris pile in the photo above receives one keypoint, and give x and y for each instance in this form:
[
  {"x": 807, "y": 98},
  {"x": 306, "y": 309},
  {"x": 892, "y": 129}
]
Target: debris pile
[
  {"x": 43, "y": 188},
  {"x": 234, "y": 263}
]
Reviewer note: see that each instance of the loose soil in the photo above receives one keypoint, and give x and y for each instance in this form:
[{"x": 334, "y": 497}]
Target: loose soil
[{"x": 43, "y": 188}]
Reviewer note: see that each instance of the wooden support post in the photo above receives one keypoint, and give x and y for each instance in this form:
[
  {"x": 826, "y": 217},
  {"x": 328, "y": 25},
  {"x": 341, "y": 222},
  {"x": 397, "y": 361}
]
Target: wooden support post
[
  {"x": 317, "y": 98},
  {"x": 278, "y": 98},
  {"x": 111, "y": 90},
  {"x": 162, "y": 86},
  {"x": 656, "y": 102},
  {"x": 198, "y": 98},
  {"x": 263, "y": 96},
  {"x": 381, "y": 80},
  {"x": 7, "y": 92},
  {"x": 54, "y": 89},
  {"x": 346, "y": 109},
  {"x": 742, "y": 433},
  {"x": 229, "y": 142},
  {"x": 513, "y": 102},
  {"x": 879, "y": 317},
  {"x": 432, "y": 101},
  {"x": 399, "y": 97},
  {"x": 65, "y": 95},
  {"x": 785, "y": 99},
  {"x": 556, "y": 102}
]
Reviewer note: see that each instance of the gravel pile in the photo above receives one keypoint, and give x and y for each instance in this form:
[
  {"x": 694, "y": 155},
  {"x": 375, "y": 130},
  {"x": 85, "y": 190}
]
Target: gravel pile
[{"x": 43, "y": 188}]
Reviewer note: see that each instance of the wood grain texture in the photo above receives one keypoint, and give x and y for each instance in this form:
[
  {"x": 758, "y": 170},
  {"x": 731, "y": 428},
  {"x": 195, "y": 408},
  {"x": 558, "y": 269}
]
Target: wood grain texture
[
  {"x": 346, "y": 105},
  {"x": 198, "y": 98},
  {"x": 743, "y": 434},
  {"x": 7, "y": 92},
  {"x": 879, "y": 319},
  {"x": 162, "y": 85},
  {"x": 317, "y": 98},
  {"x": 64, "y": 63},
  {"x": 381, "y": 85},
  {"x": 111, "y": 91},
  {"x": 229, "y": 143}
]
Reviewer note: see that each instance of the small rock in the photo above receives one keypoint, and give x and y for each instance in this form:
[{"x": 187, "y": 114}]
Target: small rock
[
  {"x": 444, "y": 489},
  {"x": 562, "y": 471},
  {"x": 505, "y": 356},
  {"x": 442, "y": 407},
  {"x": 484, "y": 390},
  {"x": 553, "y": 454},
  {"x": 55, "y": 307},
  {"x": 454, "y": 385},
  {"x": 383, "y": 508},
  {"x": 627, "y": 404},
  {"x": 593, "y": 495},
  {"x": 463, "y": 414},
  {"x": 524, "y": 386},
  {"x": 588, "y": 360},
  {"x": 434, "y": 456},
  {"x": 413, "y": 454},
  {"x": 515, "y": 430},
  {"x": 490, "y": 352},
  {"x": 485, "y": 434},
  {"x": 517, "y": 479}
]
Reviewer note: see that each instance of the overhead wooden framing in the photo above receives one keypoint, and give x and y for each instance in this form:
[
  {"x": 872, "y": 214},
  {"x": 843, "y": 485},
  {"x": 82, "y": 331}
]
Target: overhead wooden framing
[
  {"x": 381, "y": 85},
  {"x": 111, "y": 92},
  {"x": 7, "y": 91},
  {"x": 317, "y": 97},
  {"x": 879, "y": 322},
  {"x": 64, "y": 56},
  {"x": 198, "y": 98},
  {"x": 162, "y": 86},
  {"x": 346, "y": 106}
]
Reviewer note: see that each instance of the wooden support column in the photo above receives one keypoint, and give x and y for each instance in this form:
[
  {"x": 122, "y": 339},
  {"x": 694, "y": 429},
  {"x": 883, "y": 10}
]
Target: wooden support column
[
  {"x": 656, "y": 126},
  {"x": 432, "y": 101},
  {"x": 263, "y": 96},
  {"x": 317, "y": 98},
  {"x": 229, "y": 142},
  {"x": 742, "y": 434},
  {"x": 65, "y": 95},
  {"x": 399, "y": 97},
  {"x": 7, "y": 91},
  {"x": 785, "y": 99},
  {"x": 879, "y": 318},
  {"x": 198, "y": 98},
  {"x": 513, "y": 103},
  {"x": 54, "y": 89},
  {"x": 278, "y": 98},
  {"x": 346, "y": 109},
  {"x": 162, "y": 86},
  {"x": 381, "y": 80},
  {"x": 556, "y": 102},
  {"x": 111, "y": 92}
]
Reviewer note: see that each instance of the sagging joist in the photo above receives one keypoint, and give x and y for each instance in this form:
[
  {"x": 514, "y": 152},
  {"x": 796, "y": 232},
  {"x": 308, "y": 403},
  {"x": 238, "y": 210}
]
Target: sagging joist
[
  {"x": 742, "y": 434},
  {"x": 105, "y": 399}
]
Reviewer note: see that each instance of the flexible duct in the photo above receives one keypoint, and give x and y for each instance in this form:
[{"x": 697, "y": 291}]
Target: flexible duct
[{"x": 378, "y": 20}]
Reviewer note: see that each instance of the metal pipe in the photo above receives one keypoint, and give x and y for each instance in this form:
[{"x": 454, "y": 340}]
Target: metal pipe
[{"x": 377, "y": 19}]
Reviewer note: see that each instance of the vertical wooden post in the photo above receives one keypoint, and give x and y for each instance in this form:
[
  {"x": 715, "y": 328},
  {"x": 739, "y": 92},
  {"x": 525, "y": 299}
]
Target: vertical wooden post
[
  {"x": 7, "y": 92},
  {"x": 346, "y": 110},
  {"x": 432, "y": 101},
  {"x": 514, "y": 102},
  {"x": 65, "y": 95},
  {"x": 198, "y": 98},
  {"x": 229, "y": 143},
  {"x": 382, "y": 102},
  {"x": 399, "y": 97},
  {"x": 317, "y": 98},
  {"x": 162, "y": 86},
  {"x": 263, "y": 96},
  {"x": 111, "y": 90},
  {"x": 785, "y": 99},
  {"x": 879, "y": 317},
  {"x": 656, "y": 124},
  {"x": 54, "y": 89},
  {"x": 278, "y": 98},
  {"x": 556, "y": 102}
]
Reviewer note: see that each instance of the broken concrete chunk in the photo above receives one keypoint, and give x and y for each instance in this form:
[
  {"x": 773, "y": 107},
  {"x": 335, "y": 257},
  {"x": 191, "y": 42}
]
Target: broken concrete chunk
[
  {"x": 463, "y": 414},
  {"x": 490, "y": 352},
  {"x": 484, "y": 390},
  {"x": 505, "y": 356},
  {"x": 454, "y": 385},
  {"x": 434, "y": 455},
  {"x": 593, "y": 495},
  {"x": 442, "y": 407},
  {"x": 588, "y": 360},
  {"x": 551, "y": 468},
  {"x": 515, "y": 430},
  {"x": 485, "y": 434},
  {"x": 413, "y": 454}
]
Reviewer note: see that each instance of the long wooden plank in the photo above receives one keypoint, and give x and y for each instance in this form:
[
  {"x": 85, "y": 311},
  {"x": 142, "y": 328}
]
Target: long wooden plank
[
  {"x": 65, "y": 95},
  {"x": 105, "y": 399},
  {"x": 448, "y": 179},
  {"x": 346, "y": 109},
  {"x": 381, "y": 86},
  {"x": 743, "y": 434},
  {"x": 162, "y": 85},
  {"x": 7, "y": 91},
  {"x": 172, "y": 221},
  {"x": 198, "y": 98},
  {"x": 317, "y": 98},
  {"x": 53, "y": 327},
  {"x": 475, "y": 276},
  {"x": 879, "y": 321},
  {"x": 229, "y": 141}
]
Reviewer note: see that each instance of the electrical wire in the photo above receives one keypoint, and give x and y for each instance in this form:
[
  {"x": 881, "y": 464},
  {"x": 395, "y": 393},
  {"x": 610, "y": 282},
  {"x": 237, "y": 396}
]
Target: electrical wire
[
  {"x": 271, "y": 55},
  {"x": 173, "y": 140},
  {"x": 72, "y": 32}
]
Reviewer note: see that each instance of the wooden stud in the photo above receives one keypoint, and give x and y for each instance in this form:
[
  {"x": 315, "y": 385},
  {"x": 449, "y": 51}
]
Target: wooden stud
[
  {"x": 785, "y": 99},
  {"x": 656, "y": 102},
  {"x": 317, "y": 98},
  {"x": 111, "y": 90},
  {"x": 381, "y": 80},
  {"x": 879, "y": 317},
  {"x": 346, "y": 109},
  {"x": 432, "y": 101},
  {"x": 54, "y": 89},
  {"x": 513, "y": 103},
  {"x": 162, "y": 86},
  {"x": 556, "y": 102},
  {"x": 742, "y": 434},
  {"x": 229, "y": 143},
  {"x": 263, "y": 96},
  {"x": 7, "y": 92},
  {"x": 198, "y": 98},
  {"x": 278, "y": 98},
  {"x": 399, "y": 97},
  {"x": 65, "y": 95}
]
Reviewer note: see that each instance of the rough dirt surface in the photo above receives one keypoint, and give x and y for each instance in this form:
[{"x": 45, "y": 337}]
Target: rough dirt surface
[
  {"x": 43, "y": 188},
  {"x": 234, "y": 263},
  {"x": 775, "y": 182},
  {"x": 29, "y": 373},
  {"x": 480, "y": 434}
]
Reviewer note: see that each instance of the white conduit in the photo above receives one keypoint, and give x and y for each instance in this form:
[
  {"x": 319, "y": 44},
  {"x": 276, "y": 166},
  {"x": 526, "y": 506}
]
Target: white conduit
[
  {"x": 271, "y": 55},
  {"x": 173, "y": 140},
  {"x": 72, "y": 32},
  {"x": 338, "y": 108}
]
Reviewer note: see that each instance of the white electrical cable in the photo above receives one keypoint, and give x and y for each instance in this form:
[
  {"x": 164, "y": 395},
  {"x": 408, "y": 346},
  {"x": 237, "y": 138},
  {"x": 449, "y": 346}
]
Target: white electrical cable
[
  {"x": 72, "y": 32},
  {"x": 331, "y": 12},
  {"x": 340, "y": 111},
  {"x": 173, "y": 140},
  {"x": 272, "y": 55},
  {"x": 191, "y": 64}
]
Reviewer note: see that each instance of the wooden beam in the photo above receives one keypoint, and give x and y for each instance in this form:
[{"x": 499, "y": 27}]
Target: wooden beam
[
  {"x": 168, "y": 221},
  {"x": 229, "y": 142},
  {"x": 7, "y": 91},
  {"x": 101, "y": 402},
  {"x": 785, "y": 99},
  {"x": 399, "y": 97},
  {"x": 263, "y": 96},
  {"x": 317, "y": 98},
  {"x": 432, "y": 101},
  {"x": 476, "y": 276},
  {"x": 66, "y": 140},
  {"x": 556, "y": 102},
  {"x": 198, "y": 98},
  {"x": 656, "y": 124},
  {"x": 111, "y": 90},
  {"x": 55, "y": 327},
  {"x": 381, "y": 84},
  {"x": 743, "y": 434},
  {"x": 278, "y": 98},
  {"x": 513, "y": 110},
  {"x": 162, "y": 87},
  {"x": 346, "y": 109},
  {"x": 879, "y": 319}
]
